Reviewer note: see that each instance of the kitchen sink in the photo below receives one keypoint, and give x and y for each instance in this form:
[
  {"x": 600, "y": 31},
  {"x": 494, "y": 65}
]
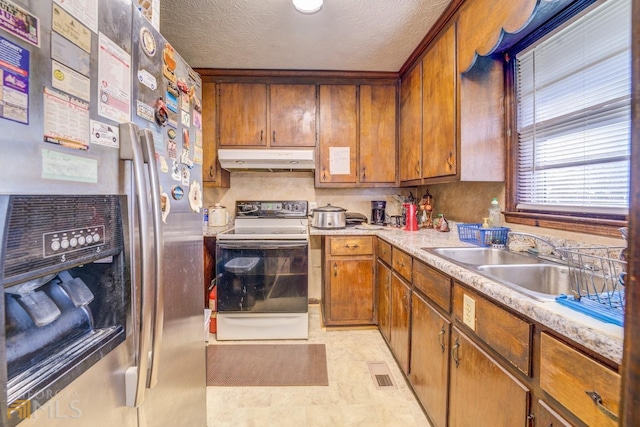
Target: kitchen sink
[
  {"x": 542, "y": 281},
  {"x": 483, "y": 256}
]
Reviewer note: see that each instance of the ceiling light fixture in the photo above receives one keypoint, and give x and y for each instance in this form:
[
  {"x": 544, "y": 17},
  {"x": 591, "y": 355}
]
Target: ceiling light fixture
[{"x": 308, "y": 6}]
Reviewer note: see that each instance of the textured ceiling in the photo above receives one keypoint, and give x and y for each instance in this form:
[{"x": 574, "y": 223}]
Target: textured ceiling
[{"x": 353, "y": 35}]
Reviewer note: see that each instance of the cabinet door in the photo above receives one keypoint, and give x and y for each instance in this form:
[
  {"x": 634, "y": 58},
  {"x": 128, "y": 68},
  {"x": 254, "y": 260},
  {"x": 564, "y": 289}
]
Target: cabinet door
[
  {"x": 430, "y": 359},
  {"x": 400, "y": 311},
  {"x": 292, "y": 115},
  {"x": 209, "y": 133},
  {"x": 383, "y": 280},
  {"x": 482, "y": 393},
  {"x": 410, "y": 144},
  {"x": 243, "y": 114},
  {"x": 377, "y": 134},
  {"x": 439, "y": 107},
  {"x": 351, "y": 291},
  {"x": 337, "y": 163}
]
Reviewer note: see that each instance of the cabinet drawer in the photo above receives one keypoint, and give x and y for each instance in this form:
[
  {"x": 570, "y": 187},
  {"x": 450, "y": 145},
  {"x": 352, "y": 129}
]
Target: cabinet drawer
[
  {"x": 401, "y": 263},
  {"x": 506, "y": 333},
  {"x": 352, "y": 245},
  {"x": 433, "y": 284},
  {"x": 384, "y": 251},
  {"x": 568, "y": 375},
  {"x": 547, "y": 417}
]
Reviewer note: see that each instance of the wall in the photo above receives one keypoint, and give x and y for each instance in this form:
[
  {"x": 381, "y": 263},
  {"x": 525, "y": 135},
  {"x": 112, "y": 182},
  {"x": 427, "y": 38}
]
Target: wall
[{"x": 300, "y": 186}]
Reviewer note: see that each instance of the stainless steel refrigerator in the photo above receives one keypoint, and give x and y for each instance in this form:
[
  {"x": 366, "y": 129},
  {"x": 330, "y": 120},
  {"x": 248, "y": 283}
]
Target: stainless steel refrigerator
[{"x": 91, "y": 97}]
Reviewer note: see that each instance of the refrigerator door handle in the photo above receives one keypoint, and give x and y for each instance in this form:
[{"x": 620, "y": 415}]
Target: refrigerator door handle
[
  {"x": 146, "y": 137},
  {"x": 136, "y": 376}
]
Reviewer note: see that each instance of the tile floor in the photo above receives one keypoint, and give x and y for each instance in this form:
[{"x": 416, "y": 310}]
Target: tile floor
[{"x": 351, "y": 399}]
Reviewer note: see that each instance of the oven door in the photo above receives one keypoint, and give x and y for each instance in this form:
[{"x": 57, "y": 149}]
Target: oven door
[{"x": 262, "y": 276}]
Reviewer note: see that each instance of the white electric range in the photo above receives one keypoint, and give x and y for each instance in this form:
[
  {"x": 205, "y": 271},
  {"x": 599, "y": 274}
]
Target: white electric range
[{"x": 262, "y": 272}]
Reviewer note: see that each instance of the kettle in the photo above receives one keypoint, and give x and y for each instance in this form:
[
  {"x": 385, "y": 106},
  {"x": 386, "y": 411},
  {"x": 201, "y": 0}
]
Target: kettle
[{"x": 218, "y": 216}]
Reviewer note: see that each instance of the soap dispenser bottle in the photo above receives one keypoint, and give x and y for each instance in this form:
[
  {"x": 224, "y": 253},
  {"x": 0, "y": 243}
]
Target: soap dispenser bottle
[{"x": 495, "y": 211}]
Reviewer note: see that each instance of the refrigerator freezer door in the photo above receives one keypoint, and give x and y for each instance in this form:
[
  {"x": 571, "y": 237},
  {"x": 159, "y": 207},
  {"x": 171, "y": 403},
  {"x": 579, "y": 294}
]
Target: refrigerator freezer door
[{"x": 32, "y": 166}]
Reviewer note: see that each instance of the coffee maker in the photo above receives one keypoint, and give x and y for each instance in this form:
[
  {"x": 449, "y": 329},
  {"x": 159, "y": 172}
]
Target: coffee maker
[{"x": 377, "y": 212}]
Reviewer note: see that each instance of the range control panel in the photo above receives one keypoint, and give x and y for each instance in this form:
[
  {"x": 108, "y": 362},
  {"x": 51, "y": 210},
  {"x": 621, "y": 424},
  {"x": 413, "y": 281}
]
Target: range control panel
[
  {"x": 272, "y": 209},
  {"x": 65, "y": 241}
]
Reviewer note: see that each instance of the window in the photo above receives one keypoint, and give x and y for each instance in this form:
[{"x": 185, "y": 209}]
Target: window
[{"x": 573, "y": 109}]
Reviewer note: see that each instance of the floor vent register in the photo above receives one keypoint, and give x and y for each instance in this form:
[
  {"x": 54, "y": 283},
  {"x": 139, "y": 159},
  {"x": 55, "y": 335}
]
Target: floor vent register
[{"x": 381, "y": 375}]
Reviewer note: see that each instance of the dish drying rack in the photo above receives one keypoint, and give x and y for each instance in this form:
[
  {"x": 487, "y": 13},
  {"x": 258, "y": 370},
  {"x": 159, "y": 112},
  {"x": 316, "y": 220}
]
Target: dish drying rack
[{"x": 597, "y": 277}]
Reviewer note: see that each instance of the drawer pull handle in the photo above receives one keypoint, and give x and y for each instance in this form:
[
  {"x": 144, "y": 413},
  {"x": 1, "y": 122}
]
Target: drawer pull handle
[
  {"x": 335, "y": 270},
  {"x": 454, "y": 353},
  {"x": 441, "y": 338},
  {"x": 352, "y": 246},
  {"x": 597, "y": 400},
  {"x": 274, "y": 137}
]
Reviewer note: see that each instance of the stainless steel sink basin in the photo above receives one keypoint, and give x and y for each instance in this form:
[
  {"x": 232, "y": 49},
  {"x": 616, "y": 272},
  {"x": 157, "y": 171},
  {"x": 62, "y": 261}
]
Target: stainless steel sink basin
[
  {"x": 542, "y": 281},
  {"x": 483, "y": 256}
]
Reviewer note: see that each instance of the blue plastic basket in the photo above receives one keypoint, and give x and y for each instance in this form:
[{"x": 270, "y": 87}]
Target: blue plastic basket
[{"x": 475, "y": 234}]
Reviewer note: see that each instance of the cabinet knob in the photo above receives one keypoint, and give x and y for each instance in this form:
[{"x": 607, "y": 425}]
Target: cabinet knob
[
  {"x": 454, "y": 352},
  {"x": 441, "y": 338},
  {"x": 597, "y": 400},
  {"x": 450, "y": 160}
]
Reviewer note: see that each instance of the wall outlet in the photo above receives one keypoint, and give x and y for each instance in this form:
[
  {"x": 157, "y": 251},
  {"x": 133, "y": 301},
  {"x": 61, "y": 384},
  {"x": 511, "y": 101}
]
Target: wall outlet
[
  {"x": 313, "y": 205},
  {"x": 469, "y": 312}
]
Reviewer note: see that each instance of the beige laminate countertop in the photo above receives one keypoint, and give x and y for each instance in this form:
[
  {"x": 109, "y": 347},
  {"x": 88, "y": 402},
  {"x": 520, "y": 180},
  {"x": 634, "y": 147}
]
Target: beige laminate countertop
[{"x": 603, "y": 338}]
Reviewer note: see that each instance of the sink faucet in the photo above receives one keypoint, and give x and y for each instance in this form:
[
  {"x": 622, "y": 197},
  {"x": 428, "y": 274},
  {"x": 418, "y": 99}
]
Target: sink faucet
[{"x": 535, "y": 250}]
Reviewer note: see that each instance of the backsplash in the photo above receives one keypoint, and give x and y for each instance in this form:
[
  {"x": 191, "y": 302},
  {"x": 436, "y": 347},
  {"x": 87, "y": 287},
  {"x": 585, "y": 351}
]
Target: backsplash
[
  {"x": 300, "y": 186},
  {"x": 464, "y": 202}
]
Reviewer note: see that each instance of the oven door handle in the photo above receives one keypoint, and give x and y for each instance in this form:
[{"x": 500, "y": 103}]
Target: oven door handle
[
  {"x": 149, "y": 152},
  {"x": 136, "y": 376},
  {"x": 262, "y": 244}
]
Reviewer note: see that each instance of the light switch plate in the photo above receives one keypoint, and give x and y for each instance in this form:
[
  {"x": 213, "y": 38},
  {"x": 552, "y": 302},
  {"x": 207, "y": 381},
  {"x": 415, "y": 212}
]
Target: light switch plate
[{"x": 469, "y": 312}]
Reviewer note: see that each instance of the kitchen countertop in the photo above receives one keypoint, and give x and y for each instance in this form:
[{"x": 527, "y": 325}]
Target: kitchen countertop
[
  {"x": 603, "y": 338},
  {"x": 213, "y": 231}
]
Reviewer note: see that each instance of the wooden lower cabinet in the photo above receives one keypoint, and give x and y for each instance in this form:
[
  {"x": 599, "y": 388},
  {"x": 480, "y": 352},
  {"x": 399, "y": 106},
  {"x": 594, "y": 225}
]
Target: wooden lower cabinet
[
  {"x": 383, "y": 285},
  {"x": 482, "y": 393},
  {"x": 430, "y": 358},
  {"x": 348, "y": 294},
  {"x": 547, "y": 417},
  {"x": 590, "y": 390},
  {"x": 400, "y": 312}
]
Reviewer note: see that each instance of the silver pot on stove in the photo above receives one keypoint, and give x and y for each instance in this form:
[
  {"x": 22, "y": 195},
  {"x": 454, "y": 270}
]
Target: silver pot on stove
[{"x": 328, "y": 217}]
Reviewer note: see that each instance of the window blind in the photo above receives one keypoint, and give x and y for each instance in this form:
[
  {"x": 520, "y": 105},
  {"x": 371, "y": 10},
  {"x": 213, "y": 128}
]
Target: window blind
[{"x": 574, "y": 115}]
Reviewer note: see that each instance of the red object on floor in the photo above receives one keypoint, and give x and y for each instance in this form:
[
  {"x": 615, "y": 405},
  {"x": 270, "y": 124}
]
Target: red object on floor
[{"x": 213, "y": 296}]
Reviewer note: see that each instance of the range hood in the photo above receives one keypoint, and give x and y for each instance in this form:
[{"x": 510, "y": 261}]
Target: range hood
[{"x": 266, "y": 159}]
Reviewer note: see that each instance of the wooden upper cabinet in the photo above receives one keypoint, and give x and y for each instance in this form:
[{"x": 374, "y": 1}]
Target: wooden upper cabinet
[
  {"x": 338, "y": 133},
  {"x": 209, "y": 145},
  {"x": 377, "y": 162},
  {"x": 439, "y": 108},
  {"x": 212, "y": 174},
  {"x": 410, "y": 144},
  {"x": 292, "y": 115},
  {"x": 243, "y": 114}
]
